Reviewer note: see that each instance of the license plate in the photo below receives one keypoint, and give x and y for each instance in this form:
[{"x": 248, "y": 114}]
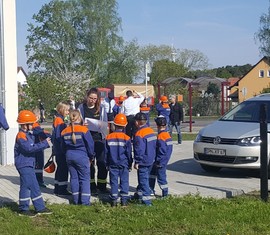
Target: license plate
[{"x": 219, "y": 152}]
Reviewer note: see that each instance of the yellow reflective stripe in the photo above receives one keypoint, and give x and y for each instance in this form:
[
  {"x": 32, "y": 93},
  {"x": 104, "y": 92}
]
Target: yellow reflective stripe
[{"x": 103, "y": 181}]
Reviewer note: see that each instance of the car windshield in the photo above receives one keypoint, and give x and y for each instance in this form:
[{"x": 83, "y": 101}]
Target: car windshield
[{"x": 248, "y": 111}]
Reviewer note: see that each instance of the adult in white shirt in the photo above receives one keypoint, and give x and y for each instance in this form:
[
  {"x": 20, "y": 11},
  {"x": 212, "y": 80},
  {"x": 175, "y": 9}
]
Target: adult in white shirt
[
  {"x": 109, "y": 103},
  {"x": 131, "y": 106}
]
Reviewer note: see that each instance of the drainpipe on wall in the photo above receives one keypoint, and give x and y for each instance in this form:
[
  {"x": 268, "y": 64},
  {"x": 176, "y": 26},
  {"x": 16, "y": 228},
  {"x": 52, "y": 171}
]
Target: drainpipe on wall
[{"x": 3, "y": 146}]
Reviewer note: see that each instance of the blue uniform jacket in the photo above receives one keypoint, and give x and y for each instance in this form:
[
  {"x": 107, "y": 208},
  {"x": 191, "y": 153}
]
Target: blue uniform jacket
[
  {"x": 145, "y": 146},
  {"x": 39, "y": 133},
  {"x": 84, "y": 142},
  {"x": 25, "y": 149},
  {"x": 164, "y": 148},
  {"x": 164, "y": 111},
  {"x": 118, "y": 150},
  {"x": 3, "y": 120},
  {"x": 146, "y": 111},
  {"x": 58, "y": 127}
]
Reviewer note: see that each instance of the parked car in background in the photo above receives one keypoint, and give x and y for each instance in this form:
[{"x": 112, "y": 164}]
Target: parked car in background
[{"x": 233, "y": 141}]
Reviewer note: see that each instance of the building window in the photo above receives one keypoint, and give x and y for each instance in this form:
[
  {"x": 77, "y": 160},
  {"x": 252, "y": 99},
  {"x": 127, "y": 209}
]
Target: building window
[
  {"x": 268, "y": 73},
  {"x": 261, "y": 73}
]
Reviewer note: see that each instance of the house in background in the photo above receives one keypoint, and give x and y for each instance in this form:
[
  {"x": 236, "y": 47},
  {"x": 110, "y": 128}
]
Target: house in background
[
  {"x": 21, "y": 76},
  {"x": 253, "y": 82},
  {"x": 21, "y": 81}
]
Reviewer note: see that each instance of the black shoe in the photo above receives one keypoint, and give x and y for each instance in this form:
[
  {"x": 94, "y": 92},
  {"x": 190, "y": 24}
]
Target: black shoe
[
  {"x": 136, "y": 196},
  {"x": 124, "y": 204},
  {"x": 27, "y": 213},
  {"x": 42, "y": 185},
  {"x": 104, "y": 191},
  {"x": 45, "y": 211},
  {"x": 64, "y": 193},
  {"x": 113, "y": 203},
  {"x": 94, "y": 192}
]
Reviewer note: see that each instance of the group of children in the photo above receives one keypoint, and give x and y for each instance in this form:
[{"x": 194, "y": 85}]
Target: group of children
[{"x": 73, "y": 147}]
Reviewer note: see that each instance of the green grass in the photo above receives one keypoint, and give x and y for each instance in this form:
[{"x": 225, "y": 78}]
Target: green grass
[
  {"x": 185, "y": 136},
  {"x": 182, "y": 215}
]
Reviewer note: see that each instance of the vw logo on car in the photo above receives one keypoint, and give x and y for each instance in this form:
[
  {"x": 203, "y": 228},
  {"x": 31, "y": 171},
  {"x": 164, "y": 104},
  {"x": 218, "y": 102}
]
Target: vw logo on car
[{"x": 217, "y": 140}]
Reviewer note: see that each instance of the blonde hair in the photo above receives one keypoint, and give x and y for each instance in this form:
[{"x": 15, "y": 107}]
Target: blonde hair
[
  {"x": 62, "y": 107},
  {"x": 75, "y": 117}
]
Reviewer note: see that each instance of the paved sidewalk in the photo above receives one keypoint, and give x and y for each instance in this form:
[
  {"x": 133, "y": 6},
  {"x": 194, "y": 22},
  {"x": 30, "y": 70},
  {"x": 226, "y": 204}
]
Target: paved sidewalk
[{"x": 184, "y": 176}]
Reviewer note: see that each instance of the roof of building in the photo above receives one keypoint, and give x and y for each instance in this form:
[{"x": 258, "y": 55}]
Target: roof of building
[
  {"x": 19, "y": 68},
  {"x": 204, "y": 81}
]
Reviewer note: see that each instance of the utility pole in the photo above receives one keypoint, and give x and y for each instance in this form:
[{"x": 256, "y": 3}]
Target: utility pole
[{"x": 147, "y": 77}]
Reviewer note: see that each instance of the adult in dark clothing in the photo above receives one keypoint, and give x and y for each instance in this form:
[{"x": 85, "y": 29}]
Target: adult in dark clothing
[
  {"x": 94, "y": 109},
  {"x": 176, "y": 117},
  {"x": 42, "y": 111}
]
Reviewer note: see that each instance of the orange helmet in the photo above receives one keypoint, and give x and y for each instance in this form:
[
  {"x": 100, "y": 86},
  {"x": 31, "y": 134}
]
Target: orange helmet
[
  {"x": 121, "y": 98},
  {"x": 50, "y": 165},
  {"x": 164, "y": 98},
  {"x": 26, "y": 117},
  {"x": 120, "y": 119}
]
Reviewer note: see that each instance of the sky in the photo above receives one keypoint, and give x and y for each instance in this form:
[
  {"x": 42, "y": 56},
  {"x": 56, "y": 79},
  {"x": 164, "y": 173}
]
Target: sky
[{"x": 223, "y": 30}]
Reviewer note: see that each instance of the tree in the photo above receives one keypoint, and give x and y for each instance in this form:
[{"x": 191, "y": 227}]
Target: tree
[
  {"x": 263, "y": 34},
  {"x": 163, "y": 69},
  {"x": 124, "y": 64},
  {"x": 73, "y": 41},
  {"x": 192, "y": 59},
  {"x": 48, "y": 90}
]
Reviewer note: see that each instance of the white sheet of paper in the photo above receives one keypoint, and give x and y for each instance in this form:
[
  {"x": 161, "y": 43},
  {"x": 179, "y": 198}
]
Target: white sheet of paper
[{"x": 97, "y": 125}]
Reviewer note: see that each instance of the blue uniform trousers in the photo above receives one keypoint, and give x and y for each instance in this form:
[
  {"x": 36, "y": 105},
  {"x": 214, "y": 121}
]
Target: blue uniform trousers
[
  {"x": 61, "y": 174},
  {"x": 144, "y": 191},
  {"x": 79, "y": 168},
  {"x": 39, "y": 166},
  {"x": 29, "y": 189},
  {"x": 178, "y": 130},
  {"x": 122, "y": 173},
  {"x": 159, "y": 173}
]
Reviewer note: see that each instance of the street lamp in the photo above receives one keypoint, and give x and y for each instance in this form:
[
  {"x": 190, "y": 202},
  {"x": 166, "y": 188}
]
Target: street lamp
[{"x": 147, "y": 75}]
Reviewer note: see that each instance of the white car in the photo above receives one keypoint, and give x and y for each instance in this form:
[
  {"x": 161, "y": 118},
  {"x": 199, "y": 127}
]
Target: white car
[{"x": 233, "y": 141}]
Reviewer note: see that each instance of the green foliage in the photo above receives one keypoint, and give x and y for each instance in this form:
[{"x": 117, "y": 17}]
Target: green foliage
[
  {"x": 173, "y": 215},
  {"x": 263, "y": 34},
  {"x": 266, "y": 90},
  {"x": 208, "y": 104},
  {"x": 164, "y": 69},
  {"x": 192, "y": 59},
  {"x": 48, "y": 90},
  {"x": 76, "y": 43},
  {"x": 222, "y": 72}
]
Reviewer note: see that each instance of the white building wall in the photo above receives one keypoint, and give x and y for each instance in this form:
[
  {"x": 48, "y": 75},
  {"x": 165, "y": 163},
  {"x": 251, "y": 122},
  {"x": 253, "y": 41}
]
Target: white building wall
[{"x": 10, "y": 76}]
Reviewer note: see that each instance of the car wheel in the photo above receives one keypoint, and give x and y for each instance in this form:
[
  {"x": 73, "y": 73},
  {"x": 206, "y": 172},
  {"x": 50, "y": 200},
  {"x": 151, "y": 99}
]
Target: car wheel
[{"x": 210, "y": 168}]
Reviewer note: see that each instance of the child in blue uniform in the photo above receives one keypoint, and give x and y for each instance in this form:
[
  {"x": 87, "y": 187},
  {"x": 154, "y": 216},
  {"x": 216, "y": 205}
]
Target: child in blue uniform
[
  {"x": 144, "y": 156},
  {"x": 61, "y": 174},
  {"x": 40, "y": 134},
  {"x": 78, "y": 146},
  {"x": 24, "y": 151},
  {"x": 164, "y": 109},
  {"x": 163, "y": 154},
  {"x": 119, "y": 160}
]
